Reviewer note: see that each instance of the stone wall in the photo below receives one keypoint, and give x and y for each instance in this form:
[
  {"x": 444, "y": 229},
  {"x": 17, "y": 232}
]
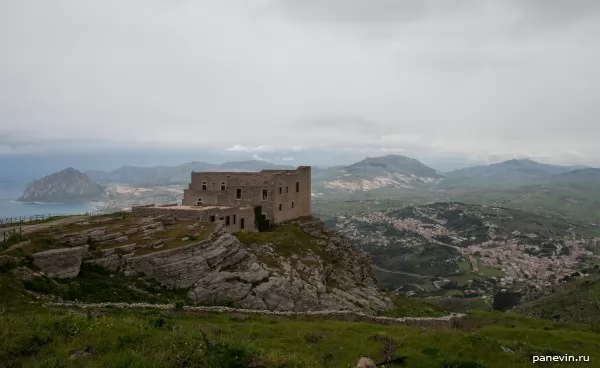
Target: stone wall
[
  {"x": 294, "y": 204},
  {"x": 232, "y": 217},
  {"x": 449, "y": 321}
]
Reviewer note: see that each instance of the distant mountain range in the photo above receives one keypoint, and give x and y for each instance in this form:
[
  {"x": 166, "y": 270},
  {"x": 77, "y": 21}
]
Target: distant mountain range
[
  {"x": 371, "y": 173},
  {"x": 507, "y": 171},
  {"x": 180, "y": 174},
  {"x": 565, "y": 191}
]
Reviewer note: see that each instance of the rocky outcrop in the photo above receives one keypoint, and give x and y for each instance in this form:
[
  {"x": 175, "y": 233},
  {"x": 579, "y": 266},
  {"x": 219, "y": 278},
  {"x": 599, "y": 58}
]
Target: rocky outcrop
[
  {"x": 365, "y": 363},
  {"x": 312, "y": 269},
  {"x": 221, "y": 270},
  {"x": 68, "y": 185},
  {"x": 60, "y": 263}
]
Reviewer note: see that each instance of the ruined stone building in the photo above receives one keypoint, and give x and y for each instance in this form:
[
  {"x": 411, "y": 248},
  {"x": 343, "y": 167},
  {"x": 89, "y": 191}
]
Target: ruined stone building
[{"x": 232, "y": 196}]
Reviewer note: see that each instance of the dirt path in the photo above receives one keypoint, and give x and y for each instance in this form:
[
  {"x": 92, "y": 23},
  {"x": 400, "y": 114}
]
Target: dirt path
[{"x": 332, "y": 314}]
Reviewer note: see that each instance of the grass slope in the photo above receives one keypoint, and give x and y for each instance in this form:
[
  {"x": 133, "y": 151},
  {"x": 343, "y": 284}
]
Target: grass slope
[{"x": 578, "y": 301}]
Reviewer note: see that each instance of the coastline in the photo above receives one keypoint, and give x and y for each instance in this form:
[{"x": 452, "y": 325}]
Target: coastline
[
  {"x": 13, "y": 208},
  {"x": 53, "y": 203}
]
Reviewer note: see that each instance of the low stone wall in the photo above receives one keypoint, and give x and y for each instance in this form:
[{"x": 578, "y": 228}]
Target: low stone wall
[
  {"x": 236, "y": 214},
  {"x": 429, "y": 322},
  {"x": 154, "y": 211}
]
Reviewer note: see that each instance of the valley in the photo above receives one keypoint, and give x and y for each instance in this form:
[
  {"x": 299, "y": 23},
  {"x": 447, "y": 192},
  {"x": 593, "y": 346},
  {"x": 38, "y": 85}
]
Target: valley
[{"x": 468, "y": 250}]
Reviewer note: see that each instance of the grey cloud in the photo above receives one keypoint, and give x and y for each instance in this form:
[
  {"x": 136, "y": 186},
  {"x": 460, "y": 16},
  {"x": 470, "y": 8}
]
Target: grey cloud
[
  {"x": 436, "y": 76},
  {"x": 372, "y": 11},
  {"x": 532, "y": 13},
  {"x": 555, "y": 12}
]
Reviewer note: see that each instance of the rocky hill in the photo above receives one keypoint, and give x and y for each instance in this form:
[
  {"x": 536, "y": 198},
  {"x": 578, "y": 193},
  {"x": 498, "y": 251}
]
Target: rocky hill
[
  {"x": 68, "y": 185},
  {"x": 295, "y": 267},
  {"x": 507, "y": 171},
  {"x": 575, "y": 301},
  {"x": 394, "y": 171}
]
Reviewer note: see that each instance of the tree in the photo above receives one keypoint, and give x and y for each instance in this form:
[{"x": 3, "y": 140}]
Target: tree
[{"x": 504, "y": 300}]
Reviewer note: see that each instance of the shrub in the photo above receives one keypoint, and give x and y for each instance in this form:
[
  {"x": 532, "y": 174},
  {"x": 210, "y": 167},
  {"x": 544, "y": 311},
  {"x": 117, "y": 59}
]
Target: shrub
[
  {"x": 461, "y": 364},
  {"x": 313, "y": 337},
  {"x": 225, "y": 355},
  {"x": 503, "y": 301}
]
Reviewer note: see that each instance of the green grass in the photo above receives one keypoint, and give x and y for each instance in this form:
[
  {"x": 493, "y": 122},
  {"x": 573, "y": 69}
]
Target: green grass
[
  {"x": 453, "y": 292},
  {"x": 488, "y": 271},
  {"x": 577, "y": 301},
  {"x": 150, "y": 338},
  {"x": 176, "y": 233},
  {"x": 461, "y": 305},
  {"x": 46, "y": 239},
  {"x": 467, "y": 273},
  {"x": 287, "y": 240},
  {"x": 96, "y": 285},
  {"x": 35, "y": 222},
  {"x": 406, "y": 307},
  {"x": 32, "y": 335}
]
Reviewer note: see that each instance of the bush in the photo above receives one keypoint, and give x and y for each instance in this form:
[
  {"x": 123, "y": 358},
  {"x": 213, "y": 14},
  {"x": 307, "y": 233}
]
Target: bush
[
  {"x": 313, "y": 337},
  {"x": 505, "y": 300},
  {"x": 13, "y": 239},
  {"x": 461, "y": 364},
  {"x": 225, "y": 355}
]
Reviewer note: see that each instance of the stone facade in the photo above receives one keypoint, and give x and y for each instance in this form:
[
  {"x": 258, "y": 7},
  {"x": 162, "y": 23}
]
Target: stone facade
[
  {"x": 233, "y": 218},
  {"x": 283, "y": 194},
  {"x": 230, "y": 197}
]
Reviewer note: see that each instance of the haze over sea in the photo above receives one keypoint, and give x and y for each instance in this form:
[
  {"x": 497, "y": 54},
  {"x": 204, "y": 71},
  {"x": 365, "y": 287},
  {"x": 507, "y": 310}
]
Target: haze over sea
[{"x": 11, "y": 208}]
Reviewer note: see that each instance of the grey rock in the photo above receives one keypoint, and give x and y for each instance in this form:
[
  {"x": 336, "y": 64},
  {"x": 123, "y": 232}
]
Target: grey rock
[
  {"x": 366, "y": 363},
  {"x": 60, "y": 263},
  {"x": 222, "y": 270}
]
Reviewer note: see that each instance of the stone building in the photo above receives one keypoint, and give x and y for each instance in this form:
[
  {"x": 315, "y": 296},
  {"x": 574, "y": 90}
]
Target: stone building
[
  {"x": 231, "y": 197},
  {"x": 283, "y": 194}
]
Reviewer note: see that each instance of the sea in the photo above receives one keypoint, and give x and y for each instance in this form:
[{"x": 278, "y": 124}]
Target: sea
[{"x": 9, "y": 207}]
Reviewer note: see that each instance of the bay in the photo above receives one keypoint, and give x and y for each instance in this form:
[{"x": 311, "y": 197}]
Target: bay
[{"x": 9, "y": 207}]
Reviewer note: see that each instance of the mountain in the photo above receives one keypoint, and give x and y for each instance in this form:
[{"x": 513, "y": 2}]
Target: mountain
[
  {"x": 507, "y": 171},
  {"x": 393, "y": 171},
  {"x": 180, "y": 174},
  {"x": 68, "y": 185},
  {"x": 586, "y": 174}
]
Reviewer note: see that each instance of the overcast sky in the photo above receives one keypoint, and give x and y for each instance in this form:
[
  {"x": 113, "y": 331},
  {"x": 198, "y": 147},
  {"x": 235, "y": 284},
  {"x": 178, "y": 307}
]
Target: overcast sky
[{"x": 490, "y": 79}]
